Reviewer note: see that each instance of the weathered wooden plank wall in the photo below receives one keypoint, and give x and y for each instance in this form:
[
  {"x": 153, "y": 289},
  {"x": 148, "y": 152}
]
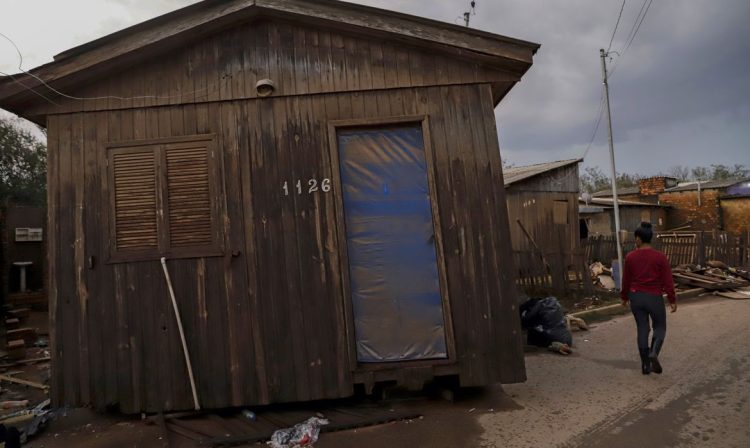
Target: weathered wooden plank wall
[
  {"x": 265, "y": 321},
  {"x": 299, "y": 59}
]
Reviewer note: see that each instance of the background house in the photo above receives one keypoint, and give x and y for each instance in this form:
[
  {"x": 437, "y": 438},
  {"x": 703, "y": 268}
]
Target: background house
[
  {"x": 544, "y": 224},
  {"x": 693, "y": 206},
  {"x": 23, "y": 234},
  {"x": 598, "y": 215},
  {"x": 543, "y": 198}
]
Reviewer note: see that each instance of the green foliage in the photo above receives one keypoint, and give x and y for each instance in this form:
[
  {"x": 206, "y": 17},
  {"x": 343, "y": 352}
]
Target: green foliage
[{"x": 23, "y": 166}]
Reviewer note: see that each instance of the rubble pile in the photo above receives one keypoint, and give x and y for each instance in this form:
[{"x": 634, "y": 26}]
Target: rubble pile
[{"x": 24, "y": 379}]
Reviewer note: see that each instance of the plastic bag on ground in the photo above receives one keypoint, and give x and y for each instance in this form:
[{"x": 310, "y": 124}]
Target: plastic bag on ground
[
  {"x": 303, "y": 434},
  {"x": 545, "y": 321}
]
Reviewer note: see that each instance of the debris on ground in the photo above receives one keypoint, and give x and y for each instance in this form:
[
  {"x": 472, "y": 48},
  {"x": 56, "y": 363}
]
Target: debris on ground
[
  {"x": 24, "y": 374},
  {"x": 601, "y": 276},
  {"x": 576, "y": 323},
  {"x": 300, "y": 435},
  {"x": 546, "y": 324},
  {"x": 716, "y": 276}
]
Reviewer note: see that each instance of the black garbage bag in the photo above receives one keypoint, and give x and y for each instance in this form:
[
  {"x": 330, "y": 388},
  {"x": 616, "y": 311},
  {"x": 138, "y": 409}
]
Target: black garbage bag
[{"x": 544, "y": 320}]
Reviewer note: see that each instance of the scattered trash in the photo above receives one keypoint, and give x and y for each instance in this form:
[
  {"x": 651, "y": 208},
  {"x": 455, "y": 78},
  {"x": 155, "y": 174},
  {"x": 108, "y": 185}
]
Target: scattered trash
[
  {"x": 602, "y": 276},
  {"x": 250, "y": 415},
  {"x": 576, "y": 323},
  {"x": 301, "y": 435},
  {"x": 472, "y": 409}
]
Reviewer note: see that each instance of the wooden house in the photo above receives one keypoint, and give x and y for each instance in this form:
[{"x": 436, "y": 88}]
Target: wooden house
[
  {"x": 543, "y": 205},
  {"x": 324, "y": 181}
]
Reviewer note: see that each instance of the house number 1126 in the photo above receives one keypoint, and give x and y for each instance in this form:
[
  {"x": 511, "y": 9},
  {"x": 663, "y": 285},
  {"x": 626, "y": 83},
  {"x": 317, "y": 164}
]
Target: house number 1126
[{"x": 311, "y": 187}]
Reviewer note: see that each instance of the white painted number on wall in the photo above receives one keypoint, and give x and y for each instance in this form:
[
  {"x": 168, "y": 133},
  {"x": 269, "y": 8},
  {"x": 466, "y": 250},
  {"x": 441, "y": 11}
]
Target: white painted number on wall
[{"x": 312, "y": 186}]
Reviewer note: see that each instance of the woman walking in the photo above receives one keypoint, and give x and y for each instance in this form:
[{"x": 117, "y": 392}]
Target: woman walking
[{"x": 647, "y": 274}]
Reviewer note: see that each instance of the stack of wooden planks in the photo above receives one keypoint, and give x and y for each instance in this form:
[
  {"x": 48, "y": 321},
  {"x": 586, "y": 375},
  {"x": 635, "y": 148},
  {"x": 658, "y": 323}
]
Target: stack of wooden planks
[{"x": 725, "y": 282}]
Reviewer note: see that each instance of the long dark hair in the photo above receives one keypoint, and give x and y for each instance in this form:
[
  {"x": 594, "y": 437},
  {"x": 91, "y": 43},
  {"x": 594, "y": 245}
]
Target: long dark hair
[{"x": 645, "y": 232}]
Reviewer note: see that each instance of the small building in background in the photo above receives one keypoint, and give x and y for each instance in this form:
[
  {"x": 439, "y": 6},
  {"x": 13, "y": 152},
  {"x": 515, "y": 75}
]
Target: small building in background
[
  {"x": 693, "y": 206},
  {"x": 543, "y": 201},
  {"x": 699, "y": 205},
  {"x": 598, "y": 215},
  {"x": 23, "y": 233},
  {"x": 735, "y": 208}
]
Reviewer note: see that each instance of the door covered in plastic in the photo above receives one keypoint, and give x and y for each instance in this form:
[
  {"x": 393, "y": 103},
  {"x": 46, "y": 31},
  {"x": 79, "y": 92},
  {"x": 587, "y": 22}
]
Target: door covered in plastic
[{"x": 398, "y": 311}]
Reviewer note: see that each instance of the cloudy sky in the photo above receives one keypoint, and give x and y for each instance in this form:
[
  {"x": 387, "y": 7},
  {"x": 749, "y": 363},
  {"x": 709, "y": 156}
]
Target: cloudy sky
[{"x": 680, "y": 94}]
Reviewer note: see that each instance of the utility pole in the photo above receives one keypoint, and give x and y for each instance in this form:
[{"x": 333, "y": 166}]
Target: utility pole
[{"x": 603, "y": 55}]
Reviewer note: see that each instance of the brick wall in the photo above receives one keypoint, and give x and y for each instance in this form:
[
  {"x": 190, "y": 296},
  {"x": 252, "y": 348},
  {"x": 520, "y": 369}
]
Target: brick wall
[
  {"x": 736, "y": 214},
  {"x": 705, "y": 216},
  {"x": 652, "y": 185}
]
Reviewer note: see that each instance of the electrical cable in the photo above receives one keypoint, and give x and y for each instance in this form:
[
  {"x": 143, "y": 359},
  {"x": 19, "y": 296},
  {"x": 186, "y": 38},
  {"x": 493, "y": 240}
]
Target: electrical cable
[
  {"x": 619, "y": 16},
  {"x": 64, "y": 95},
  {"x": 596, "y": 127},
  {"x": 633, "y": 33}
]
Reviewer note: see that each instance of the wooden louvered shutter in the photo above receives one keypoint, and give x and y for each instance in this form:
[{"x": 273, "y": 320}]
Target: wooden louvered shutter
[
  {"x": 134, "y": 199},
  {"x": 165, "y": 199},
  {"x": 189, "y": 214}
]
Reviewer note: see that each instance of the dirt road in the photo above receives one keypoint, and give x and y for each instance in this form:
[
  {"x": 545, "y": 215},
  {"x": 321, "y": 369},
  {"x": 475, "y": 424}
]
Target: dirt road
[
  {"x": 599, "y": 398},
  {"x": 594, "y": 398}
]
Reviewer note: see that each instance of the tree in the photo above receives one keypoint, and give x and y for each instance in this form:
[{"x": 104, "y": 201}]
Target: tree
[
  {"x": 23, "y": 166},
  {"x": 593, "y": 180},
  {"x": 679, "y": 172}
]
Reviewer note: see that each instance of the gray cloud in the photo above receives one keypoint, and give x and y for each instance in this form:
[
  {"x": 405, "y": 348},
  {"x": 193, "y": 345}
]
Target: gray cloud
[{"x": 679, "y": 96}]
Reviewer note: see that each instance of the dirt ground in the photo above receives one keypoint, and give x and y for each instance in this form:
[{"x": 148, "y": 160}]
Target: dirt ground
[{"x": 594, "y": 398}]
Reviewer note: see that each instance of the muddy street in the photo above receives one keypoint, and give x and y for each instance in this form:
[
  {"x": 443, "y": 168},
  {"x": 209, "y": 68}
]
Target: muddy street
[
  {"x": 598, "y": 396},
  {"x": 595, "y": 398}
]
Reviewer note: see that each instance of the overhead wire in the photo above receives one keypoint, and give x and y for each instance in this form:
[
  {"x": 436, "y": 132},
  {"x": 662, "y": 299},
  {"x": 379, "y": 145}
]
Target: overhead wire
[
  {"x": 633, "y": 33},
  {"x": 601, "y": 97},
  {"x": 619, "y": 16},
  {"x": 77, "y": 98}
]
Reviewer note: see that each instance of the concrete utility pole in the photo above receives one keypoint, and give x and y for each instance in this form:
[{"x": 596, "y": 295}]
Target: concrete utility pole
[{"x": 603, "y": 55}]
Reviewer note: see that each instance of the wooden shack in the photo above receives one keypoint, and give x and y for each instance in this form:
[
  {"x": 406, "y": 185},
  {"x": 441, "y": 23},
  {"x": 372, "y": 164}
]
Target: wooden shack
[
  {"x": 543, "y": 206},
  {"x": 324, "y": 181}
]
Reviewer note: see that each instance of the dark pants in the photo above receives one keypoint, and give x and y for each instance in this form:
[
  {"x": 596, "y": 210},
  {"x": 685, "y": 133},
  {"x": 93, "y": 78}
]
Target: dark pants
[{"x": 643, "y": 306}]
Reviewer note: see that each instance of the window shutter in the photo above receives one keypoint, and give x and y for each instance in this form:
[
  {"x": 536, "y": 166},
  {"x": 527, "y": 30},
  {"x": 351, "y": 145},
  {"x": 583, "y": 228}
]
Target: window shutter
[
  {"x": 188, "y": 195},
  {"x": 560, "y": 212},
  {"x": 135, "y": 205}
]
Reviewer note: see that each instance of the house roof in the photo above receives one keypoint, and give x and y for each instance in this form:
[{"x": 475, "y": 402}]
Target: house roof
[
  {"x": 620, "y": 192},
  {"x": 519, "y": 173},
  {"x": 609, "y": 202},
  {"x": 195, "y": 21},
  {"x": 710, "y": 185}
]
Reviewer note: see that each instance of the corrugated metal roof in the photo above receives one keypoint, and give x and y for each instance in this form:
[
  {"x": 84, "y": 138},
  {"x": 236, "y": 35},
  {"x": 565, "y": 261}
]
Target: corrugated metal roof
[
  {"x": 713, "y": 184},
  {"x": 620, "y": 191},
  {"x": 608, "y": 202},
  {"x": 518, "y": 173}
]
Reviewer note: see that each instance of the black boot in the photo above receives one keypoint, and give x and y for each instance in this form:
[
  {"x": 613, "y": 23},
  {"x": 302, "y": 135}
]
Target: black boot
[
  {"x": 645, "y": 361},
  {"x": 654, "y": 354}
]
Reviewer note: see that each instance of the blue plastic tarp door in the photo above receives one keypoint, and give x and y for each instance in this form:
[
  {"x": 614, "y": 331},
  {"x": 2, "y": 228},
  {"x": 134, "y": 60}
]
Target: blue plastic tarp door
[{"x": 395, "y": 288}]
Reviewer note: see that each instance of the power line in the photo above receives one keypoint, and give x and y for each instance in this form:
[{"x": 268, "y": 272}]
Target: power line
[
  {"x": 619, "y": 16},
  {"x": 601, "y": 97},
  {"x": 633, "y": 33},
  {"x": 596, "y": 127},
  {"x": 77, "y": 98}
]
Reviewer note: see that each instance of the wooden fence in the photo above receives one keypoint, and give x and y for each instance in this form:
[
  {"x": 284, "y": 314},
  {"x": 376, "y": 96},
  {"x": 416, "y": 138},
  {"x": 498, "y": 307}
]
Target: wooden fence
[
  {"x": 555, "y": 272},
  {"x": 680, "y": 248}
]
